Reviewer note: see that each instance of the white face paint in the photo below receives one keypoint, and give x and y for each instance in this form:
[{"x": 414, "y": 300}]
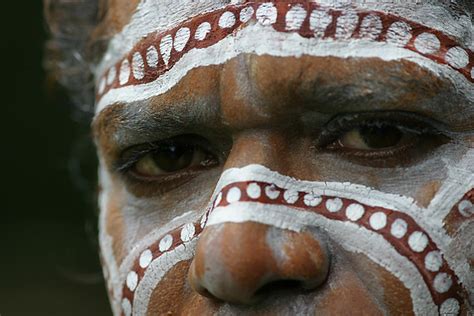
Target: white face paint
[
  {"x": 215, "y": 32},
  {"x": 380, "y": 221},
  {"x": 407, "y": 240}
]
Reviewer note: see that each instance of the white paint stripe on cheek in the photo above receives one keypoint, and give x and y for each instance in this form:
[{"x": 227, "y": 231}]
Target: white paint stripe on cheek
[
  {"x": 156, "y": 271},
  {"x": 460, "y": 180},
  {"x": 151, "y": 238},
  {"x": 105, "y": 244},
  {"x": 351, "y": 236}
]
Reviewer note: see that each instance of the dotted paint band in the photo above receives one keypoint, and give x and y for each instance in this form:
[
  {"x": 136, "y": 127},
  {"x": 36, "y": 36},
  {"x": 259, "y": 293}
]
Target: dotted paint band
[
  {"x": 399, "y": 229},
  {"x": 158, "y": 53},
  {"x": 165, "y": 244}
]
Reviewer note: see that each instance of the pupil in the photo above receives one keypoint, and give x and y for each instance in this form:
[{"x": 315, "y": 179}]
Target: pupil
[
  {"x": 173, "y": 157},
  {"x": 380, "y": 136}
]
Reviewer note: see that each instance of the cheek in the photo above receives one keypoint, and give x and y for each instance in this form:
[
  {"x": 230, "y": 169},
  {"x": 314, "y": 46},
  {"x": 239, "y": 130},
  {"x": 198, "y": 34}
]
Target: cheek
[
  {"x": 389, "y": 291},
  {"x": 173, "y": 295}
]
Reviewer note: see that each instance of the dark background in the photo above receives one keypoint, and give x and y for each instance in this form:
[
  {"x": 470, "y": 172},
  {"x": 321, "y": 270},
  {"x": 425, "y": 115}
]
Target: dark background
[{"x": 48, "y": 261}]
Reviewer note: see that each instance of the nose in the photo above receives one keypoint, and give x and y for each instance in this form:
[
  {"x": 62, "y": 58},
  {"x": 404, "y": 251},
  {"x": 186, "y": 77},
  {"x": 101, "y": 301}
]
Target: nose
[{"x": 239, "y": 262}]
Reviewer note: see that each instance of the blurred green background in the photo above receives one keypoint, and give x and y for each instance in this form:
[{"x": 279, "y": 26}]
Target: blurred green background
[{"x": 48, "y": 262}]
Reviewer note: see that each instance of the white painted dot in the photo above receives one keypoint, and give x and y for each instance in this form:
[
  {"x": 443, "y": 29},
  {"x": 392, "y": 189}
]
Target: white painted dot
[
  {"x": 457, "y": 57},
  {"x": 152, "y": 57},
  {"x": 227, "y": 20},
  {"x": 371, "y": 27},
  {"x": 145, "y": 259},
  {"x": 399, "y": 34},
  {"x": 165, "y": 243},
  {"x": 246, "y": 14},
  {"x": 466, "y": 208},
  {"x": 442, "y": 282},
  {"x": 132, "y": 280},
  {"x": 218, "y": 199},
  {"x": 187, "y": 232},
  {"x": 311, "y": 199},
  {"x": 267, "y": 14},
  {"x": 346, "y": 25},
  {"x": 355, "y": 211},
  {"x": 124, "y": 72},
  {"x": 399, "y": 228},
  {"x": 233, "y": 195},
  {"x": 319, "y": 20},
  {"x": 254, "y": 191},
  {"x": 291, "y": 196},
  {"x": 102, "y": 86},
  {"x": 295, "y": 17},
  {"x": 334, "y": 205},
  {"x": 418, "y": 241},
  {"x": 138, "y": 68},
  {"x": 202, "y": 30},
  {"x": 433, "y": 261},
  {"x": 111, "y": 75},
  {"x": 126, "y": 307},
  {"x": 450, "y": 307},
  {"x": 181, "y": 38},
  {"x": 165, "y": 48},
  {"x": 378, "y": 220},
  {"x": 203, "y": 220},
  {"x": 272, "y": 192},
  {"x": 427, "y": 43}
]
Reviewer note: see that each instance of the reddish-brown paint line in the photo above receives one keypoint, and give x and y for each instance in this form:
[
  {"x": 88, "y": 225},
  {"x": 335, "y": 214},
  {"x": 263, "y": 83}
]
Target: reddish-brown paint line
[
  {"x": 155, "y": 250},
  {"x": 217, "y": 34},
  {"x": 400, "y": 245},
  {"x": 455, "y": 219}
]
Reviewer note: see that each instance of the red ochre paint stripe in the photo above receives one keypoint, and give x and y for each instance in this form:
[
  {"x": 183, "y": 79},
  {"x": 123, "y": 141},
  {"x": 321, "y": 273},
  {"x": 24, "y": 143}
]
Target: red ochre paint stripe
[
  {"x": 217, "y": 34},
  {"x": 400, "y": 245}
]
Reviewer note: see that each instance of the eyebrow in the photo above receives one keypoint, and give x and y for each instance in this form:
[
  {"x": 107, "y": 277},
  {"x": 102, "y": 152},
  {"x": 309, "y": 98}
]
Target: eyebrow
[
  {"x": 148, "y": 121},
  {"x": 143, "y": 122}
]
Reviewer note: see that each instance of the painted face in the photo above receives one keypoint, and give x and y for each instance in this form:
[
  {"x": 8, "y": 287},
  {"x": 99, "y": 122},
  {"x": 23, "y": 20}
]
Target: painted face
[{"x": 287, "y": 157}]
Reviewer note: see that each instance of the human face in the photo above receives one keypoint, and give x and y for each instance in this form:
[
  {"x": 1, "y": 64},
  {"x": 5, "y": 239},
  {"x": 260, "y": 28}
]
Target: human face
[{"x": 287, "y": 158}]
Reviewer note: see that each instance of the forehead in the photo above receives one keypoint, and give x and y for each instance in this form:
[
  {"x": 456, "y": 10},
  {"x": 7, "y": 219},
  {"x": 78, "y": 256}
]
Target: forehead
[
  {"x": 432, "y": 35},
  {"x": 143, "y": 17}
]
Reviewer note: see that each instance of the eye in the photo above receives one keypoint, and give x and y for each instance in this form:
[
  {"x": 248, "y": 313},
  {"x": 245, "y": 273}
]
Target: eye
[
  {"x": 382, "y": 138},
  {"x": 170, "y": 157},
  {"x": 374, "y": 137}
]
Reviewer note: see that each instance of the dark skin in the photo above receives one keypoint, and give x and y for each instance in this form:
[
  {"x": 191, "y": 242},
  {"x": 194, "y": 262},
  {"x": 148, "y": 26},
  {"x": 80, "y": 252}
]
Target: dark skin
[{"x": 280, "y": 113}]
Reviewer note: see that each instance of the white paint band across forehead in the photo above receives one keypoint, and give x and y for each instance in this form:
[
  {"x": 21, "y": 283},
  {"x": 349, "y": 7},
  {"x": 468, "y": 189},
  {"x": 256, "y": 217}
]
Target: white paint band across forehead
[
  {"x": 159, "y": 61},
  {"x": 162, "y": 15}
]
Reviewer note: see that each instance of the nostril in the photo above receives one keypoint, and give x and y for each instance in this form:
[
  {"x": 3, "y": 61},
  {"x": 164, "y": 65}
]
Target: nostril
[{"x": 280, "y": 287}]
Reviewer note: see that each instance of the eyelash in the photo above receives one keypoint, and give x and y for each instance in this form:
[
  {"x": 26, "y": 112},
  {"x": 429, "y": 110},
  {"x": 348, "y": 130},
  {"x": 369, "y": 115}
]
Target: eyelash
[
  {"x": 333, "y": 130},
  {"x": 427, "y": 135},
  {"x": 126, "y": 163},
  {"x": 404, "y": 121}
]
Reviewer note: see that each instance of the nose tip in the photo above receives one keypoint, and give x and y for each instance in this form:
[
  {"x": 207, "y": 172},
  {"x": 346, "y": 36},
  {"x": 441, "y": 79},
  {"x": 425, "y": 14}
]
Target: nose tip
[{"x": 239, "y": 262}]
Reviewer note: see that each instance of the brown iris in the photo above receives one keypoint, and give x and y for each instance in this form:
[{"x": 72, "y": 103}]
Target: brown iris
[{"x": 171, "y": 156}]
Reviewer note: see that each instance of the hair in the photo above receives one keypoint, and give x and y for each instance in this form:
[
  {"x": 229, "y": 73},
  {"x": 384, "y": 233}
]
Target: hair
[{"x": 72, "y": 50}]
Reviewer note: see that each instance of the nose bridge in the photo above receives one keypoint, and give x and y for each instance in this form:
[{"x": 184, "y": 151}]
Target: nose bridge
[{"x": 259, "y": 146}]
